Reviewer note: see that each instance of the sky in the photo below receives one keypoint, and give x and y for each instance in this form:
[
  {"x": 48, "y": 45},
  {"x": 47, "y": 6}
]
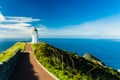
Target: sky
[{"x": 96, "y": 19}]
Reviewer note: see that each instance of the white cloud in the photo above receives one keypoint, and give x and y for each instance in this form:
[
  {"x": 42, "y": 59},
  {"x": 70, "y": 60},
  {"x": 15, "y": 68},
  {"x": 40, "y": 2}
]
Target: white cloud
[
  {"x": 20, "y": 19},
  {"x": 2, "y": 18},
  {"x": 108, "y": 27},
  {"x": 16, "y": 27}
]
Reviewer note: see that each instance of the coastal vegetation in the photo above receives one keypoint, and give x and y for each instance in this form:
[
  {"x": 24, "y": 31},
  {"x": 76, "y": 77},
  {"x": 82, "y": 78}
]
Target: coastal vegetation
[
  {"x": 11, "y": 51},
  {"x": 70, "y": 66}
]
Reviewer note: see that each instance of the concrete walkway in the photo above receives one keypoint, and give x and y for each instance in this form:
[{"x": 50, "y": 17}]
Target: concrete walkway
[{"x": 27, "y": 68}]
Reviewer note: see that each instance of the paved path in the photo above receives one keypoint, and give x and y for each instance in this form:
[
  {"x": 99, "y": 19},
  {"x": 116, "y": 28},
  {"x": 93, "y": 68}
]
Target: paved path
[{"x": 27, "y": 68}]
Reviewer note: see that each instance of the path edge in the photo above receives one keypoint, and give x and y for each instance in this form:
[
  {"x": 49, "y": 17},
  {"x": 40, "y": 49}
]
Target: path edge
[
  {"x": 51, "y": 74},
  {"x": 56, "y": 78}
]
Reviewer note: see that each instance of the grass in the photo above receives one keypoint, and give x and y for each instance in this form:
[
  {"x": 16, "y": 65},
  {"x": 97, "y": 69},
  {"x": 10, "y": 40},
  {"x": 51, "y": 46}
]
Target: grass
[{"x": 11, "y": 51}]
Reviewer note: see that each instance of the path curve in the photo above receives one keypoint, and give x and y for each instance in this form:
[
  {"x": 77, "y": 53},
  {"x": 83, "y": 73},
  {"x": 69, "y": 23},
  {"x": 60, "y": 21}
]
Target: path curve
[{"x": 27, "y": 68}]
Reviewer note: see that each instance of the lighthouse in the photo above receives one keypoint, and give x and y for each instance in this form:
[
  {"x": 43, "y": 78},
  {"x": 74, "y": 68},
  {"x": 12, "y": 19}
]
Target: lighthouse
[{"x": 35, "y": 36}]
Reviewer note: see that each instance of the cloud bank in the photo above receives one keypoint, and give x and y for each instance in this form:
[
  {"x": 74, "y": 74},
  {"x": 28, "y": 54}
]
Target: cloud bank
[
  {"x": 20, "y": 27},
  {"x": 108, "y": 27}
]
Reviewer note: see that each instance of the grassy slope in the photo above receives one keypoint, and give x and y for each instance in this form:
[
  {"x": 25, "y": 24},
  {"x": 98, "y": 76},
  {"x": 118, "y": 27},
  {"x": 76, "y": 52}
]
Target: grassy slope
[
  {"x": 11, "y": 51},
  {"x": 70, "y": 66}
]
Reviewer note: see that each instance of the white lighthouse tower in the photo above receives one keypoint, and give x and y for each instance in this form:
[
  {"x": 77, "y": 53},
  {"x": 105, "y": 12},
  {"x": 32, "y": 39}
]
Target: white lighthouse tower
[{"x": 35, "y": 36}]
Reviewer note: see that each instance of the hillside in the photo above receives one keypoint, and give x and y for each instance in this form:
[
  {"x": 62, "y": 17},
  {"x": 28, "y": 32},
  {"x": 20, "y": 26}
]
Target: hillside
[
  {"x": 70, "y": 66},
  {"x": 11, "y": 51}
]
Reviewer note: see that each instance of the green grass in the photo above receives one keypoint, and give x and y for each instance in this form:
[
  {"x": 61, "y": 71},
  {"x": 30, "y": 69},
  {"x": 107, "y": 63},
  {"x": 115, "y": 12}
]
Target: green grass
[
  {"x": 70, "y": 66},
  {"x": 11, "y": 51}
]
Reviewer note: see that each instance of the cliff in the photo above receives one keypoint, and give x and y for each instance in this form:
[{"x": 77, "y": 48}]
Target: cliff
[{"x": 70, "y": 66}]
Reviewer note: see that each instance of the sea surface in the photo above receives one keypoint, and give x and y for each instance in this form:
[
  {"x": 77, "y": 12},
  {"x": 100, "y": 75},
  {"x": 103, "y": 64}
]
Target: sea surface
[{"x": 108, "y": 50}]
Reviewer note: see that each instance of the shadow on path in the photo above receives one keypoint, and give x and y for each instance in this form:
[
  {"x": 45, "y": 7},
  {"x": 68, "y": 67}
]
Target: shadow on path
[{"x": 24, "y": 69}]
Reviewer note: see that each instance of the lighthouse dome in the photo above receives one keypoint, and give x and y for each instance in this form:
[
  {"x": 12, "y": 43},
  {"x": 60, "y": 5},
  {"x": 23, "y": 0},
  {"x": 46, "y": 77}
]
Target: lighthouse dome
[{"x": 35, "y": 29}]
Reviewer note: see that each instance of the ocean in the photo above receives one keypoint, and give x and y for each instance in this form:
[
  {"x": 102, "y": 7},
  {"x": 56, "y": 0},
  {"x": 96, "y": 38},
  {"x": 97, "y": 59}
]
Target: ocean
[{"x": 107, "y": 50}]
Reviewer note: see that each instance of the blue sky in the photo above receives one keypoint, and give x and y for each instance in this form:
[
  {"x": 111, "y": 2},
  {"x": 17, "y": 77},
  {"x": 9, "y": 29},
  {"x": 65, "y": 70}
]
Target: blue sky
[{"x": 60, "y": 18}]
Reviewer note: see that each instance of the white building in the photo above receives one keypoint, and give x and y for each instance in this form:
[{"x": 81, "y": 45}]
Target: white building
[{"x": 35, "y": 36}]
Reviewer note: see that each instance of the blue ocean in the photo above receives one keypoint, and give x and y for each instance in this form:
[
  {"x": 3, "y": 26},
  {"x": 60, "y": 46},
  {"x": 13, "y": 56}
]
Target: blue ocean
[{"x": 108, "y": 50}]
